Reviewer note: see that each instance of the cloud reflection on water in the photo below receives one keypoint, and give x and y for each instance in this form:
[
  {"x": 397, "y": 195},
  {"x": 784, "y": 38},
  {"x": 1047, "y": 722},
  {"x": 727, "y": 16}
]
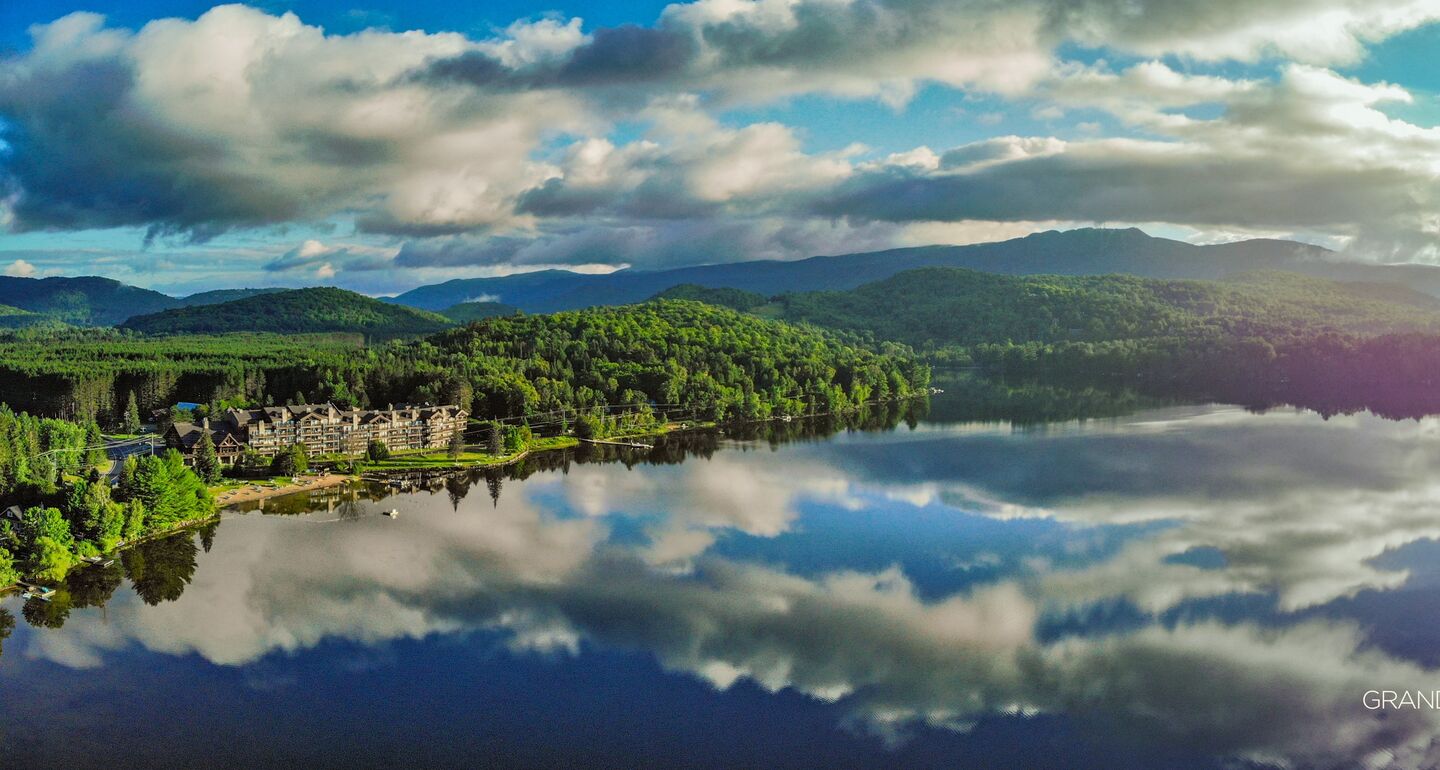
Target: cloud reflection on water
[{"x": 1299, "y": 509}]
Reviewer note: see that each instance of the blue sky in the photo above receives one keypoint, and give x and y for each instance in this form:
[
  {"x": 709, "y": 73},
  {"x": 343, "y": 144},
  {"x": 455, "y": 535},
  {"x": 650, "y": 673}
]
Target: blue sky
[{"x": 384, "y": 145}]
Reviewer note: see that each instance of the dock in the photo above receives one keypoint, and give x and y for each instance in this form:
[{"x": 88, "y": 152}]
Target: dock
[{"x": 36, "y": 591}]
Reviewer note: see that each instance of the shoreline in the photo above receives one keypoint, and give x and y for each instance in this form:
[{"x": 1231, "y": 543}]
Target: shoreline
[
  {"x": 253, "y": 491},
  {"x": 258, "y": 490}
]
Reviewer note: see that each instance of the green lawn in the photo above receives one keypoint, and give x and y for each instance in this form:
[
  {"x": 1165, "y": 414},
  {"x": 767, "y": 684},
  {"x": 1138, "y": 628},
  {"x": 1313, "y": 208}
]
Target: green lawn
[{"x": 430, "y": 459}]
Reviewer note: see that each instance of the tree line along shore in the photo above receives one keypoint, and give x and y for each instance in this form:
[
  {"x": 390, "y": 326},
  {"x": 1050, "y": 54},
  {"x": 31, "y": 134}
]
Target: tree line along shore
[{"x": 531, "y": 383}]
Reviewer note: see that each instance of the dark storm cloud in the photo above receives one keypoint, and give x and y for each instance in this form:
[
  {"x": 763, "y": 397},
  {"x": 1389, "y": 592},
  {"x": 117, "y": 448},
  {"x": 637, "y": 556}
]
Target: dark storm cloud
[
  {"x": 85, "y": 157},
  {"x": 1127, "y": 185},
  {"x": 629, "y": 54},
  {"x": 650, "y": 244}
]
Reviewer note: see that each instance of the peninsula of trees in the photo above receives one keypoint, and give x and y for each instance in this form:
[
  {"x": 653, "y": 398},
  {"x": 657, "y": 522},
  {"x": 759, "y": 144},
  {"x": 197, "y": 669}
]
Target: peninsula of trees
[{"x": 58, "y": 507}]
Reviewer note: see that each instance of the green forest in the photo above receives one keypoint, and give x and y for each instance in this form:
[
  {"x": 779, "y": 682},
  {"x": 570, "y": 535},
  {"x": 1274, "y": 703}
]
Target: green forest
[
  {"x": 934, "y": 308},
  {"x": 298, "y": 311},
  {"x": 675, "y": 357},
  {"x": 467, "y": 312},
  {"x": 1259, "y": 338},
  {"x": 51, "y": 471},
  {"x": 719, "y": 362},
  {"x": 15, "y": 318}
]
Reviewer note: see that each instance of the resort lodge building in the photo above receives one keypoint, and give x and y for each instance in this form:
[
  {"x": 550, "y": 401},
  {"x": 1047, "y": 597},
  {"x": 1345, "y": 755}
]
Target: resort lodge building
[{"x": 322, "y": 428}]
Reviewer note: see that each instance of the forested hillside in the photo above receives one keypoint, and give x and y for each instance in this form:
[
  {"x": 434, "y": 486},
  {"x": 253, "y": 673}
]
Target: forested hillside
[
  {"x": 91, "y": 372},
  {"x": 696, "y": 356},
  {"x": 86, "y": 301},
  {"x": 216, "y": 296},
  {"x": 939, "y": 307},
  {"x": 95, "y": 301},
  {"x": 731, "y": 298},
  {"x": 466, "y": 312},
  {"x": 297, "y": 311},
  {"x": 1258, "y": 338},
  {"x": 669, "y": 352},
  {"x": 1084, "y": 251},
  {"x": 15, "y": 318}
]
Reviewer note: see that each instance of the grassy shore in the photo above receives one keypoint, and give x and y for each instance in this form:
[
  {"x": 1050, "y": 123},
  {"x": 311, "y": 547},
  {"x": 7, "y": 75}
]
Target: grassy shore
[{"x": 439, "y": 459}]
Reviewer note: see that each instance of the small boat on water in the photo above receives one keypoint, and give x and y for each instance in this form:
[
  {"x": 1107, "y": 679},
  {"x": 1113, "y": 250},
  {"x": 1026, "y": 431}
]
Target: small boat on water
[
  {"x": 27, "y": 595},
  {"x": 393, "y": 513}
]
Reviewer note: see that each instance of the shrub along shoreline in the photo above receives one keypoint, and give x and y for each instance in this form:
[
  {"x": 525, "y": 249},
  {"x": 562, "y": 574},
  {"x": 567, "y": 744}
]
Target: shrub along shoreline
[{"x": 69, "y": 511}]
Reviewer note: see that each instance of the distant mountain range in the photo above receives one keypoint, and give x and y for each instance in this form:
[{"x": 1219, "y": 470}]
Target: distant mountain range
[
  {"x": 93, "y": 301},
  {"x": 935, "y": 307},
  {"x": 1071, "y": 252},
  {"x": 296, "y": 311}
]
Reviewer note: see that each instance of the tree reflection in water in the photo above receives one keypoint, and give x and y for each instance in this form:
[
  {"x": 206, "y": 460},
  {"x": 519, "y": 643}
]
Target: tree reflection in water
[
  {"x": 161, "y": 569},
  {"x": 7, "y": 625}
]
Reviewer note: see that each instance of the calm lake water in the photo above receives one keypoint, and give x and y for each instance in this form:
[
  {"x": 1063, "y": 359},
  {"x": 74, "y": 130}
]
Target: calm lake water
[{"x": 1181, "y": 586}]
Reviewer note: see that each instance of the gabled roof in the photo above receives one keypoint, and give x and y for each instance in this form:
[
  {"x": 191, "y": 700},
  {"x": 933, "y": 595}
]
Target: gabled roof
[
  {"x": 188, "y": 434},
  {"x": 242, "y": 417}
]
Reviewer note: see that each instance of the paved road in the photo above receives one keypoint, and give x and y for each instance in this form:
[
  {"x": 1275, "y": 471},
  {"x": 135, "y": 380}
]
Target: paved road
[{"x": 119, "y": 449}]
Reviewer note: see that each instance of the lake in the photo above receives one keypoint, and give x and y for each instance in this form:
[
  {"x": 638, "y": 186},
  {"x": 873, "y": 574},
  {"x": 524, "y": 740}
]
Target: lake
[{"x": 1159, "y": 585}]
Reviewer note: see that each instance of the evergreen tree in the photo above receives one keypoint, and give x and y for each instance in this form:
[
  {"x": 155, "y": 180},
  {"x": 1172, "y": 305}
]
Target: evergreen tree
[
  {"x": 517, "y": 439},
  {"x": 588, "y": 426},
  {"x": 95, "y": 456},
  {"x": 93, "y": 516},
  {"x": 290, "y": 462},
  {"x": 134, "y": 521},
  {"x": 283, "y": 464},
  {"x": 457, "y": 445},
  {"x": 131, "y": 423},
  {"x": 126, "y": 487},
  {"x": 170, "y": 492},
  {"x": 493, "y": 446},
  {"x": 207, "y": 462}
]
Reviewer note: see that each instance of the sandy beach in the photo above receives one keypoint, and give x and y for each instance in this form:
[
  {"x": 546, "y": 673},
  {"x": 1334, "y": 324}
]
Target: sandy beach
[{"x": 262, "y": 491}]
